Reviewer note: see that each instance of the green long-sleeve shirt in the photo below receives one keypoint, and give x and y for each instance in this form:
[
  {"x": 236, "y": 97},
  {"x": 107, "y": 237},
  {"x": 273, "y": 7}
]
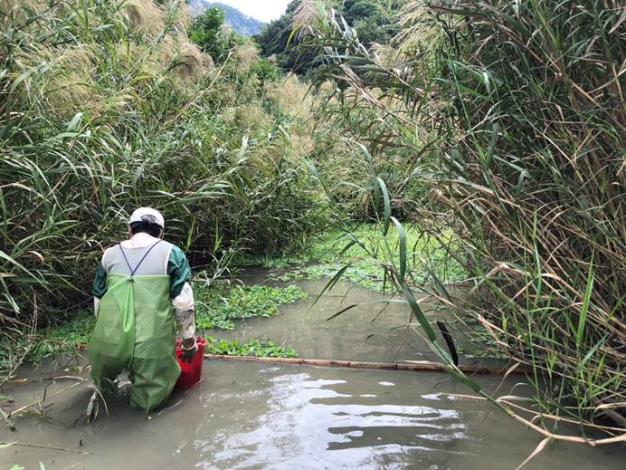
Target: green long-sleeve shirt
[{"x": 177, "y": 268}]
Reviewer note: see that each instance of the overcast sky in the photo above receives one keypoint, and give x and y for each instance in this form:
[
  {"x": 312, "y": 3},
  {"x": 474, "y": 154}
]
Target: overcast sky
[{"x": 264, "y": 10}]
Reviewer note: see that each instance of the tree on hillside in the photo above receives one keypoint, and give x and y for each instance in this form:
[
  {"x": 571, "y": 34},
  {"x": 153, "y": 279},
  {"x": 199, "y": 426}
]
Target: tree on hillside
[
  {"x": 207, "y": 31},
  {"x": 237, "y": 20},
  {"x": 274, "y": 39},
  {"x": 373, "y": 20}
]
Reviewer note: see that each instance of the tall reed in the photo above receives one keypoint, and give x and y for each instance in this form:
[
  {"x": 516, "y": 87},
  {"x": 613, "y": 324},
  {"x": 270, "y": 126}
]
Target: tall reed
[
  {"x": 508, "y": 119},
  {"x": 106, "y": 106}
]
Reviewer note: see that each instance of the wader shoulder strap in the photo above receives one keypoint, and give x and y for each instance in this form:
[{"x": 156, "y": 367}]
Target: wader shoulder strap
[{"x": 130, "y": 268}]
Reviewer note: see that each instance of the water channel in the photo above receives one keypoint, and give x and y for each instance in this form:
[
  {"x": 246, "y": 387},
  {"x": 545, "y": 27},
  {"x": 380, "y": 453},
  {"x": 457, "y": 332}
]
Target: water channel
[{"x": 255, "y": 416}]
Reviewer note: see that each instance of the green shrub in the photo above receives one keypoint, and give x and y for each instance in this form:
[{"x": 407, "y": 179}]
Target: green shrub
[
  {"x": 266, "y": 71},
  {"x": 209, "y": 33}
]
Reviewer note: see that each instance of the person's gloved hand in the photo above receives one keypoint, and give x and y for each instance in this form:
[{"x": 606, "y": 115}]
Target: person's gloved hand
[{"x": 190, "y": 348}]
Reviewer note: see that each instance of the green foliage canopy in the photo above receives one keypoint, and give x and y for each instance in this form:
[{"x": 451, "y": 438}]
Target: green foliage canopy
[
  {"x": 207, "y": 31},
  {"x": 374, "y": 21},
  {"x": 237, "y": 20}
]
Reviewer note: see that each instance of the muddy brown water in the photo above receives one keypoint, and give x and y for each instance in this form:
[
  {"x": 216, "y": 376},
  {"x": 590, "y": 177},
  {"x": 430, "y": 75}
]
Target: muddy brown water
[
  {"x": 257, "y": 416},
  {"x": 254, "y": 416},
  {"x": 377, "y": 328}
]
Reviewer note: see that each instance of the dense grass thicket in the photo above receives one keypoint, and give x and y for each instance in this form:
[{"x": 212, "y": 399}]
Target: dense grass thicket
[
  {"x": 106, "y": 106},
  {"x": 505, "y": 122},
  {"x": 538, "y": 180}
]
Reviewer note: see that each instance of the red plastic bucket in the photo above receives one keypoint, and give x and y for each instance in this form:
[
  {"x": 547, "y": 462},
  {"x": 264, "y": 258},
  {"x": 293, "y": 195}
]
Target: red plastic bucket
[{"x": 190, "y": 372}]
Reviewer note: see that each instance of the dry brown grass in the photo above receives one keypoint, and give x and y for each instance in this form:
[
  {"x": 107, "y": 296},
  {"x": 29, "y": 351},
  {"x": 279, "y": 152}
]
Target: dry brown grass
[
  {"x": 66, "y": 79},
  {"x": 292, "y": 96},
  {"x": 253, "y": 118},
  {"x": 245, "y": 55},
  {"x": 306, "y": 16},
  {"x": 185, "y": 59},
  {"x": 419, "y": 33},
  {"x": 14, "y": 7},
  {"x": 144, "y": 16}
]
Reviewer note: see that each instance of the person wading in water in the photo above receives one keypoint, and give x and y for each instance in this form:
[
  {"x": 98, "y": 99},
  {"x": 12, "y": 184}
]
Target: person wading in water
[{"x": 137, "y": 285}]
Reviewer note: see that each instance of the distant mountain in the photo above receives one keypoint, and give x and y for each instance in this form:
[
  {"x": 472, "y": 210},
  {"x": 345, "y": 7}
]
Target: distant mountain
[{"x": 238, "y": 21}]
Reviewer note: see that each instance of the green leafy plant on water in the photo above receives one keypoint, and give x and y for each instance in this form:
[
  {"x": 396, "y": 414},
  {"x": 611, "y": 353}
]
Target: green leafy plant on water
[
  {"x": 19, "y": 467},
  {"x": 256, "y": 348},
  {"x": 323, "y": 257},
  {"x": 220, "y": 308},
  {"x": 216, "y": 308}
]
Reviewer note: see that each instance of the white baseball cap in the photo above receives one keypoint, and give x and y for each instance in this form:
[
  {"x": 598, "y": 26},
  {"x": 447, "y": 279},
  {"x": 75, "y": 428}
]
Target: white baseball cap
[{"x": 147, "y": 214}]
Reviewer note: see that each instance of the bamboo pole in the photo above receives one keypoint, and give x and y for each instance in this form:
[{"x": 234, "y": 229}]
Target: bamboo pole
[
  {"x": 410, "y": 366},
  {"x": 42, "y": 446}
]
